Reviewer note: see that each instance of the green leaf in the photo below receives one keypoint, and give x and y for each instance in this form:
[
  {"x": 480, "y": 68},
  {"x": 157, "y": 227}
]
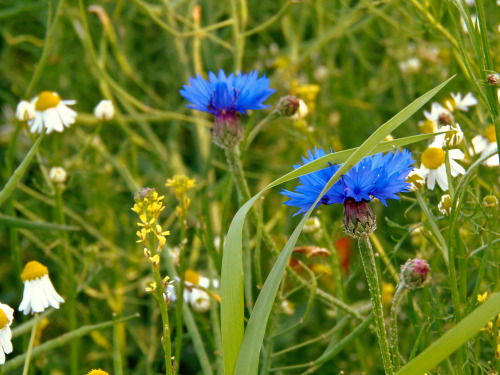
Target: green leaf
[
  {"x": 453, "y": 339},
  {"x": 241, "y": 352},
  {"x": 9, "y": 187}
]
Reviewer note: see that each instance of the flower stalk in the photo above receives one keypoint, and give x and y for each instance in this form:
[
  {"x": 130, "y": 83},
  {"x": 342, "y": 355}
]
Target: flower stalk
[
  {"x": 30, "y": 346},
  {"x": 370, "y": 268},
  {"x": 396, "y": 301}
]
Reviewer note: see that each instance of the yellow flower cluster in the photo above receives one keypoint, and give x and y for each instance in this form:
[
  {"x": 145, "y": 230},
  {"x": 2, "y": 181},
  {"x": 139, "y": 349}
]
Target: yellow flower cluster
[
  {"x": 148, "y": 205},
  {"x": 306, "y": 92},
  {"x": 181, "y": 184}
]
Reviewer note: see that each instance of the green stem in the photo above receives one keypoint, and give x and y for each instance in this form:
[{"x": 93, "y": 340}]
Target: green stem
[
  {"x": 70, "y": 277},
  {"x": 158, "y": 294},
  {"x": 368, "y": 259},
  {"x": 396, "y": 300},
  {"x": 180, "y": 300},
  {"x": 30, "y": 346}
]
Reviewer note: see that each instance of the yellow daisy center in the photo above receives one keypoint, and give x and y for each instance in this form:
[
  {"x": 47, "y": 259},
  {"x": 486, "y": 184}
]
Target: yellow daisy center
[
  {"x": 433, "y": 158},
  {"x": 192, "y": 277},
  {"x": 427, "y": 127},
  {"x": 97, "y": 372},
  {"x": 33, "y": 270},
  {"x": 3, "y": 319},
  {"x": 416, "y": 179},
  {"x": 490, "y": 134},
  {"x": 46, "y": 100}
]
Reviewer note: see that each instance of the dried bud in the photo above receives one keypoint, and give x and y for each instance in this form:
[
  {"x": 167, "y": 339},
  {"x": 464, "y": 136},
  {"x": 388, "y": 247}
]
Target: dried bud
[
  {"x": 415, "y": 273},
  {"x": 493, "y": 79},
  {"x": 444, "y": 205},
  {"x": 288, "y": 105},
  {"x": 359, "y": 220},
  {"x": 446, "y": 118}
]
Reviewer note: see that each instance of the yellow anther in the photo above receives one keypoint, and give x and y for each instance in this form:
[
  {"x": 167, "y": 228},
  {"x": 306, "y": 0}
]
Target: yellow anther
[
  {"x": 433, "y": 158},
  {"x": 33, "y": 270},
  {"x": 46, "y": 100},
  {"x": 192, "y": 277},
  {"x": 490, "y": 134},
  {"x": 427, "y": 127},
  {"x": 3, "y": 319}
]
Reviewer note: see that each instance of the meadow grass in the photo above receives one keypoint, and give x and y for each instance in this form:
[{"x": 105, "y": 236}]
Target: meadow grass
[{"x": 263, "y": 291}]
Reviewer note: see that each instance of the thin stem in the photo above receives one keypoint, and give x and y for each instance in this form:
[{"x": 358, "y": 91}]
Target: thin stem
[
  {"x": 396, "y": 300},
  {"x": 30, "y": 346},
  {"x": 71, "y": 279},
  {"x": 368, "y": 259},
  {"x": 165, "y": 332},
  {"x": 180, "y": 301}
]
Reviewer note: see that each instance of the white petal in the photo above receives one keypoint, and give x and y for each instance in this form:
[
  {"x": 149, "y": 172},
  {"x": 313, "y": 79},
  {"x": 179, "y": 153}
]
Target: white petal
[
  {"x": 431, "y": 180},
  {"x": 52, "y": 295},
  {"x": 66, "y": 114},
  {"x": 52, "y": 121},
  {"x": 2, "y": 357},
  {"x": 25, "y": 305},
  {"x": 494, "y": 161},
  {"x": 5, "y": 336},
  {"x": 456, "y": 154},
  {"x": 456, "y": 168},
  {"x": 36, "y": 299},
  {"x": 479, "y": 143},
  {"x": 442, "y": 179},
  {"x": 9, "y": 311}
]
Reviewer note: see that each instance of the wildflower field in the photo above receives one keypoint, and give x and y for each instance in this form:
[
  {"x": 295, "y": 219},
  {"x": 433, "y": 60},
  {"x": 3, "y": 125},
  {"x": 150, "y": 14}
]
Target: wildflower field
[{"x": 249, "y": 187}]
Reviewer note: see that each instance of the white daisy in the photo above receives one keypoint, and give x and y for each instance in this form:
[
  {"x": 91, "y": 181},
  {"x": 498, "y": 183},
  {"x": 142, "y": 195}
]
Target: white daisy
[
  {"x": 6, "y": 317},
  {"x": 105, "y": 110},
  {"x": 302, "y": 111},
  {"x": 199, "y": 300},
  {"x": 444, "y": 205},
  {"x": 52, "y": 113},
  {"x": 484, "y": 144},
  {"x": 25, "y": 111},
  {"x": 434, "y": 166},
  {"x": 454, "y": 135},
  {"x": 39, "y": 293},
  {"x": 462, "y": 104},
  {"x": 416, "y": 179},
  {"x": 439, "y": 114},
  {"x": 412, "y": 65},
  {"x": 194, "y": 292}
]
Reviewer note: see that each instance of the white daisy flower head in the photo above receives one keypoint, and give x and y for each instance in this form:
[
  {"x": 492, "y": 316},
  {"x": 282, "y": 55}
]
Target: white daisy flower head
[
  {"x": 462, "y": 104},
  {"x": 434, "y": 166},
  {"x": 439, "y": 114},
  {"x": 58, "y": 175},
  {"x": 199, "y": 300},
  {"x": 105, "y": 110},
  {"x": 6, "y": 317},
  {"x": 25, "y": 111},
  {"x": 287, "y": 307},
  {"x": 312, "y": 225},
  {"x": 489, "y": 201},
  {"x": 454, "y": 135},
  {"x": 194, "y": 278},
  {"x": 444, "y": 205},
  {"x": 427, "y": 126},
  {"x": 416, "y": 179},
  {"x": 39, "y": 293},
  {"x": 484, "y": 144},
  {"x": 51, "y": 113},
  {"x": 412, "y": 65}
]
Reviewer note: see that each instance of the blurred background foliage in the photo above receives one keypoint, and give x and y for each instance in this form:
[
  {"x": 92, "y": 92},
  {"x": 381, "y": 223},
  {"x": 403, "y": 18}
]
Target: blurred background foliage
[{"x": 350, "y": 61}]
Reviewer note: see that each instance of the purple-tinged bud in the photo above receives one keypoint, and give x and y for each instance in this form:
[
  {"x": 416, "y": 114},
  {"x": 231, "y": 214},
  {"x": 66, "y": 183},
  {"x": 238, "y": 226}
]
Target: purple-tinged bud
[
  {"x": 493, "y": 79},
  {"x": 227, "y": 132},
  {"x": 415, "y": 273},
  {"x": 359, "y": 220},
  {"x": 446, "y": 118},
  {"x": 288, "y": 106}
]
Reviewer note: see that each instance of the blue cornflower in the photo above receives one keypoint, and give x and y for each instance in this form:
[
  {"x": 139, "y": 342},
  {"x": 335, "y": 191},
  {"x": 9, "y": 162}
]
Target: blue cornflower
[
  {"x": 225, "y": 97},
  {"x": 379, "y": 176}
]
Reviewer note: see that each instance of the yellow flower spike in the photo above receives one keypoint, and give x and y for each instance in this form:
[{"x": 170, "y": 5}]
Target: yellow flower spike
[
  {"x": 155, "y": 260},
  {"x": 488, "y": 328},
  {"x": 497, "y": 352},
  {"x": 162, "y": 240},
  {"x": 151, "y": 288},
  {"x": 481, "y": 298},
  {"x": 180, "y": 184},
  {"x": 388, "y": 290},
  {"x": 498, "y": 324},
  {"x": 147, "y": 253}
]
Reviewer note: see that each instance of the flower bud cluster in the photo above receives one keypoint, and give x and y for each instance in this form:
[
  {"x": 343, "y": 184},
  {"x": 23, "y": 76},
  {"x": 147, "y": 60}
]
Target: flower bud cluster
[{"x": 181, "y": 184}]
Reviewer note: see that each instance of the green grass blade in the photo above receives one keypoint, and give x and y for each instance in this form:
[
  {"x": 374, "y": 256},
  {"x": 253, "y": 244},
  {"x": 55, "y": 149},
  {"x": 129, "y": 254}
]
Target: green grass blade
[
  {"x": 10, "y": 186},
  {"x": 453, "y": 339},
  {"x": 29, "y": 224},
  {"x": 232, "y": 300}
]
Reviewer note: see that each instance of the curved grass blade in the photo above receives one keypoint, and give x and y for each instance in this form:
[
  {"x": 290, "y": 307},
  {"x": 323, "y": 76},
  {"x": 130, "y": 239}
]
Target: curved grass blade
[
  {"x": 10, "y": 186},
  {"x": 453, "y": 339},
  {"x": 241, "y": 352},
  {"x": 30, "y": 224}
]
